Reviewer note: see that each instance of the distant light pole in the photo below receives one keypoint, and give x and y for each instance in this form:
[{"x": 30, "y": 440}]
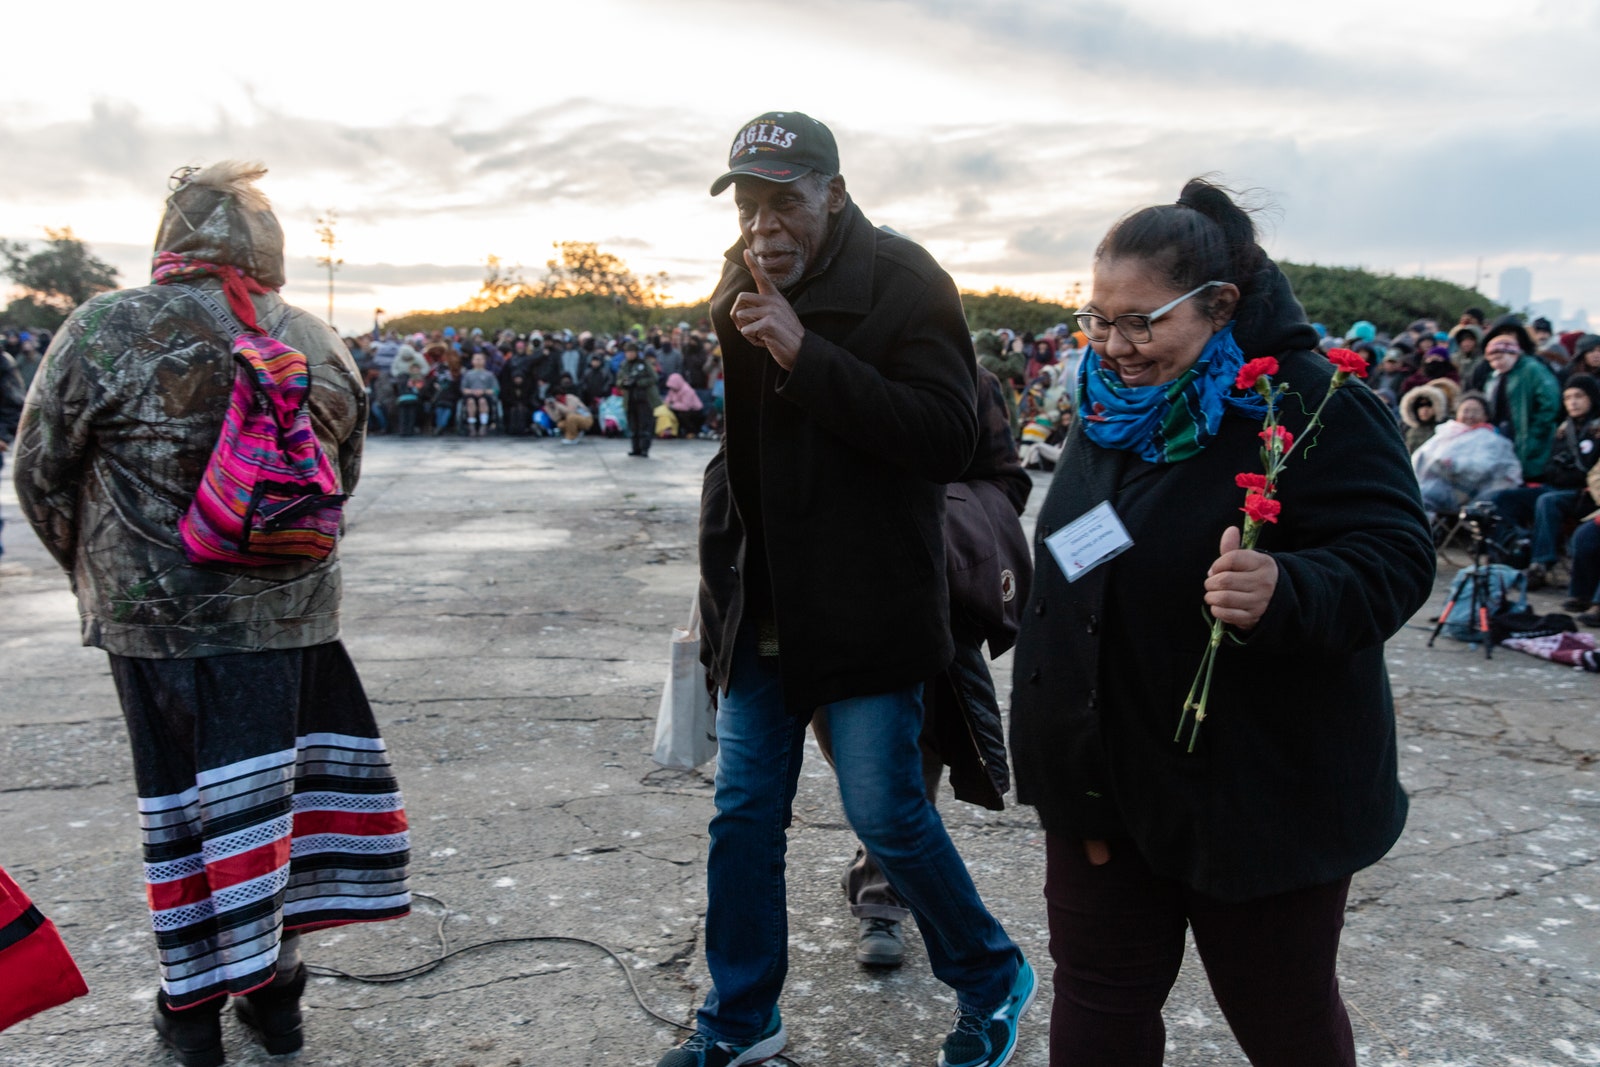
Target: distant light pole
[{"x": 330, "y": 240}]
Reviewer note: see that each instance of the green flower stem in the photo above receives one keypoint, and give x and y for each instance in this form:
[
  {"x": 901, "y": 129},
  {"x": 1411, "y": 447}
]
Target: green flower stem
[{"x": 1274, "y": 458}]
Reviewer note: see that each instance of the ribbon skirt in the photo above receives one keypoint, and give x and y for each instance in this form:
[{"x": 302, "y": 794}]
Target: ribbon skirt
[{"x": 266, "y": 803}]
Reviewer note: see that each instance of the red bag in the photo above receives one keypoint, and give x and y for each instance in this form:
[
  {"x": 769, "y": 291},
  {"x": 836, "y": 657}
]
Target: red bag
[{"x": 36, "y": 972}]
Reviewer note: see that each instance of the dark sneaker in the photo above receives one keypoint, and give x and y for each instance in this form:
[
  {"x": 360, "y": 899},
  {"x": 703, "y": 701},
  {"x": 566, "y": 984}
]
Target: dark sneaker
[
  {"x": 1574, "y": 604},
  {"x": 1591, "y": 617},
  {"x": 701, "y": 1051},
  {"x": 881, "y": 943},
  {"x": 1538, "y": 577},
  {"x": 989, "y": 1039},
  {"x": 193, "y": 1034}
]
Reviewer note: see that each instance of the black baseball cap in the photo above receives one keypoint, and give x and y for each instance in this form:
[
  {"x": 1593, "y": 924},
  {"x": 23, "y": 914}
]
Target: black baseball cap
[{"x": 780, "y": 146}]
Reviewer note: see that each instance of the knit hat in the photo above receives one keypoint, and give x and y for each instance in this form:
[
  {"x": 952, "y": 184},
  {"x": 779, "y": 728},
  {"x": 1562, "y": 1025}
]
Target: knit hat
[
  {"x": 1361, "y": 331},
  {"x": 1586, "y": 344},
  {"x": 1590, "y": 387}
]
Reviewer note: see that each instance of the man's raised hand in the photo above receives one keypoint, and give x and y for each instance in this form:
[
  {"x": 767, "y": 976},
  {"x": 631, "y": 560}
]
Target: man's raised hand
[{"x": 766, "y": 319}]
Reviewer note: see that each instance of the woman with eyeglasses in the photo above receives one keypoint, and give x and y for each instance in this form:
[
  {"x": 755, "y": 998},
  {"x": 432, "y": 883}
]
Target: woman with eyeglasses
[{"x": 1251, "y": 838}]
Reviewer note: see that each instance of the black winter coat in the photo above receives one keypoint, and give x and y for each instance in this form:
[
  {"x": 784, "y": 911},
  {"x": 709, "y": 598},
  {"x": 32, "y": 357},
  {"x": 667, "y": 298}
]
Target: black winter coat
[
  {"x": 989, "y": 570},
  {"x": 824, "y": 508},
  {"x": 1294, "y": 781}
]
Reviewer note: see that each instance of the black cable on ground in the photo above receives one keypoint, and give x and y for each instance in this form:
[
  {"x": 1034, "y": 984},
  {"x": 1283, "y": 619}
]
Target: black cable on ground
[{"x": 446, "y": 953}]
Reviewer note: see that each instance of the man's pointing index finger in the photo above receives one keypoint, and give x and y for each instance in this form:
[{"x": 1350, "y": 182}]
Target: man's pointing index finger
[{"x": 764, "y": 284}]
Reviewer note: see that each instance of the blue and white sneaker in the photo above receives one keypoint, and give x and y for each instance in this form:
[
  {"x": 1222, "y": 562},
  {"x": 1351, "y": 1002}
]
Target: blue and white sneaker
[
  {"x": 988, "y": 1039},
  {"x": 701, "y": 1051}
]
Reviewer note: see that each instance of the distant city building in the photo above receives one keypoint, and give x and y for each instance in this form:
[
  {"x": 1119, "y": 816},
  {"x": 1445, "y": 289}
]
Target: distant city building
[
  {"x": 1578, "y": 320},
  {"x": 1543, "y": 309},
  {"x": 1516, "y": 287}
]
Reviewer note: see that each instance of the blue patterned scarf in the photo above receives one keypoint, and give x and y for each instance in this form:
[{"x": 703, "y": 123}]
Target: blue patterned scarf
[{"x": 1171, "y": 422}]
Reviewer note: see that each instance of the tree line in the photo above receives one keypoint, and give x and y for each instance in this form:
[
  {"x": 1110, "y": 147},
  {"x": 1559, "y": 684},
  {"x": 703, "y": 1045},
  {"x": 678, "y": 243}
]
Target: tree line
[{"x": 586, "y": 288}]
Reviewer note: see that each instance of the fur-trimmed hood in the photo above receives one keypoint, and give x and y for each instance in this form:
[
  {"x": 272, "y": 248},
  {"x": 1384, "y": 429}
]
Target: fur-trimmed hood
[{"x": 1408, "y": 405}]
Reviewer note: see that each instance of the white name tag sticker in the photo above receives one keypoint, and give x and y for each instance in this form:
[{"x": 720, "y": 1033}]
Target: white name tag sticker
[{"x": 1088, "y": 541}]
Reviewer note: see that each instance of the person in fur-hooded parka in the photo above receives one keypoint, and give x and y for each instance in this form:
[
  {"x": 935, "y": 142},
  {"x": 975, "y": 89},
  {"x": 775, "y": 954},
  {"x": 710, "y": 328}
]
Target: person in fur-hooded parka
[{"x": 1422, "y": 409}]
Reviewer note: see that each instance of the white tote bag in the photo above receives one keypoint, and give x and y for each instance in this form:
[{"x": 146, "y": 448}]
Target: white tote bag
[{"x": 686, "y": 725}]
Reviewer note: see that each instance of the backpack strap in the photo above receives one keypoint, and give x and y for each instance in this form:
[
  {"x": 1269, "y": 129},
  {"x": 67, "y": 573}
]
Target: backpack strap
[{"x": 224, "y": 315}]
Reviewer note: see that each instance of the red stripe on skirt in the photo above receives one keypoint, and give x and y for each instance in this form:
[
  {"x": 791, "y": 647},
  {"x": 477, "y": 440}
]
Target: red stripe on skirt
[
  {"x": 352, "y": 823},
  {"x": 178, "y": 892},
  {"x": 247, "y": 865}
]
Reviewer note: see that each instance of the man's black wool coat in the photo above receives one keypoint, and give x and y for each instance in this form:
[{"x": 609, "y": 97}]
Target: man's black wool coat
[{"x": 824, "y": 509}]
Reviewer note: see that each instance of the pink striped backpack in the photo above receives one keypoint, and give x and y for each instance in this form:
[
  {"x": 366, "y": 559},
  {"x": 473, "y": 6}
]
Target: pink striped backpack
[{"x": 270, "y": 494}]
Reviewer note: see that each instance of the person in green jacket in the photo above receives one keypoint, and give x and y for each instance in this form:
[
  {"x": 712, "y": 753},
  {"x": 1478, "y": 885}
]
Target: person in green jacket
[{"x": 1524, "y": 398}]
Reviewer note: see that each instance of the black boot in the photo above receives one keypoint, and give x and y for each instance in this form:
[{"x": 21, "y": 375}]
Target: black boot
[
  {"x": 273, "y": 1014},
  {"x": 193, "y": 1034}
]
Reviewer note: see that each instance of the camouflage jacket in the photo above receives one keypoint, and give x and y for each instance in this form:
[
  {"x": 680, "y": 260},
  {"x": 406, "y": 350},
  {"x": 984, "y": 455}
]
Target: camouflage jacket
[{"x": 119, "y": 424}]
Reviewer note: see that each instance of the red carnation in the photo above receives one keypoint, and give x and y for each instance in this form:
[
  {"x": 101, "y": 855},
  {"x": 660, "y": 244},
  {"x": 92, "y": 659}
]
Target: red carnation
[
  {"x": 1251, "y": 373},
  {"x": 1256, "y": 482},
  {"x": 1261, "y": 508},
  {"x": 1349, "y": 362},
  {"x": 1285, "y": 438}
]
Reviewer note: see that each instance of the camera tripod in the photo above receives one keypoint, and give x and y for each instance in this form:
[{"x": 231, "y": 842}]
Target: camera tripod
[{"x": 1478, "y": 605}]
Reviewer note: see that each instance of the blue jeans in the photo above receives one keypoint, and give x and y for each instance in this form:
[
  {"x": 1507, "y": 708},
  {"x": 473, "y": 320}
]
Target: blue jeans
[
  {"x": 879, "y": 768},
  {"x": 1542, "y": 507},
  {"x": 1584, "y": 551}
]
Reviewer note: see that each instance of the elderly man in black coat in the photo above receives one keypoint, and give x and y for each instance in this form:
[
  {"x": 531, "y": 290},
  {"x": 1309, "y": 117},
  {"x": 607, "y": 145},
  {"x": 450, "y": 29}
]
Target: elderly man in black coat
[{"x": 850, "y": 398}]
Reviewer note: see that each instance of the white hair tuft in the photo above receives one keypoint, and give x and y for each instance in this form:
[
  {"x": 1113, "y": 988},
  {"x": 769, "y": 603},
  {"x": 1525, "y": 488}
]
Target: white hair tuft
[{"x": 238, "y": 178}]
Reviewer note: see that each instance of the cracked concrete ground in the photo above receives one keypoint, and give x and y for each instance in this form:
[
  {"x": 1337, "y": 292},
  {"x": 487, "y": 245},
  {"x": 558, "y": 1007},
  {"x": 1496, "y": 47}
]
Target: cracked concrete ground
[{"x": 509, "y": 603}]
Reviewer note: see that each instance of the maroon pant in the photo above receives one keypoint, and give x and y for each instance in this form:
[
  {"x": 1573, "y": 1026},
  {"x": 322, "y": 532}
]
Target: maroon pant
[{"x": 1117, "y": 939}]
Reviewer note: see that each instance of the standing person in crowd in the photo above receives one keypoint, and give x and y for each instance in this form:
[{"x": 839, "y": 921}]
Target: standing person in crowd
[
  {"x": 1524, "y": 399},
  {"x": 595, "y": 385},
  {"x": 12, "y": 394},
  {"x": 829, "y": 488},
  {"x": 408, "y": 361},
  {"x": 1250, "y": 839},
  {"x": 519, "y": 388},
  {"x": 1467, "y": 342},
  {"x": 266, "y": 798},
  {"x": 669, "y": 357},
  {"x": 637, "y": 380},
  {"x": 1561, "y": 494},
  {"x": 409, "y": 400},
  {"x": 694, "y": 369},
  {"x": 1585, "y": 357},
  {"x": 573, "y": 358},
  {"x": 478, "y": 388},
  {"x": 443, "y": 391}
]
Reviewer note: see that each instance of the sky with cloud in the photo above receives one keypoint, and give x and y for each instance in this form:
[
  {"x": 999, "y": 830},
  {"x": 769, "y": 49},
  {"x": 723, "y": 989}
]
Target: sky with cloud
[{"x": 1445, "y": 138}]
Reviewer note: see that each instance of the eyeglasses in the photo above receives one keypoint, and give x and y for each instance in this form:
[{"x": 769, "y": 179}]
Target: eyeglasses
[{"x": 1134, "y": 328}]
